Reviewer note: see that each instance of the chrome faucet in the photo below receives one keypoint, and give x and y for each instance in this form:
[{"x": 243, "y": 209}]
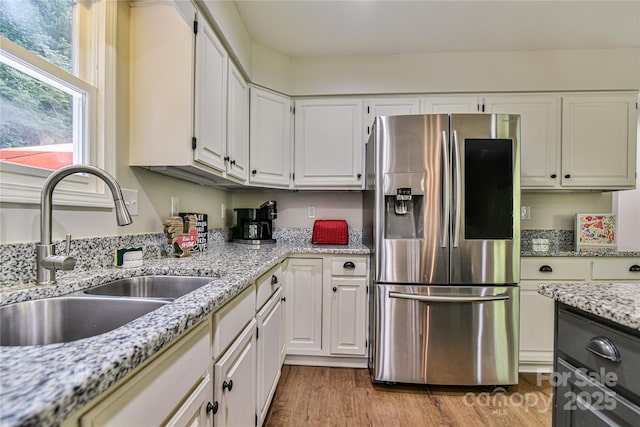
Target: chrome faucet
[{"x": 47, "y": 262}]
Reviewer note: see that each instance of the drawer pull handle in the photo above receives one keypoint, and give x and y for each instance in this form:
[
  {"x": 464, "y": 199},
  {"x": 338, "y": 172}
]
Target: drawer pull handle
[
  {"x": 603, "y": 347},
  {"x": 274, "y": 279},
  {"x": 546, "y": 269},
  {"x": 634, "y": 268},
  {"x": 227, "y": 385},
  {"x": 350, "y": 265}
]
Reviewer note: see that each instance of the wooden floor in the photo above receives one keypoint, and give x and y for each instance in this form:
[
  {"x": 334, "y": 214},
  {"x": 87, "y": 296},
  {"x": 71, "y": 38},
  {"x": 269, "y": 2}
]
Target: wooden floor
[{"x": 317, "y": 396}]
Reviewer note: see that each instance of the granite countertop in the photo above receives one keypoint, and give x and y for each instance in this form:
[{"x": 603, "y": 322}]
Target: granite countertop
[
  {"x": 573, "y": 253},
  {"x": 43, "y": 385},
  {"x": 618, "y": 302}
]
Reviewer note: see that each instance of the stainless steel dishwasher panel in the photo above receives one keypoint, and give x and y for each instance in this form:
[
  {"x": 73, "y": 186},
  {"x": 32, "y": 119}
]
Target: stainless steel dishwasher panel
[{"x": 448, "y": 335}]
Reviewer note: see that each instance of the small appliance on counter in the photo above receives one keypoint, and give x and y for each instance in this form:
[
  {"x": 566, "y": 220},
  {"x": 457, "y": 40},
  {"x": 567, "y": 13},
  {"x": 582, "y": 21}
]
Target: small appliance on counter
[
  {"x": 330, "y": 232},
  {"x": 255, "y": 226}
]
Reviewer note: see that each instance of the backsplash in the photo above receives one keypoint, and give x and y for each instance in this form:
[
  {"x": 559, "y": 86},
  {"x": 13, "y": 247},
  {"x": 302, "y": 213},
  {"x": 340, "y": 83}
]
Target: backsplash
[
  {"x": 19, "y": 259},
  {"x": 559, "y": 240}
]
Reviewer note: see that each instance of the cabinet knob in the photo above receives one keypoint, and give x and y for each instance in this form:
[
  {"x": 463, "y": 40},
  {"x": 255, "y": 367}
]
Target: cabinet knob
[
  {"x": 350, "y": 265},
  {"x": 212, "y": 407},
  {"x": 335, "y": 289},
  {"x": 274, "y": 279},
  {"x": 635, "y": 268},
  {"x": 283, "y": 299},
  {"x": 253, "y": 172},
  {"x": 226, "y": 158},
  {"x": 359, "y": 175},
  {"x": 546, "y": 269},
  {"x": 233, "y": 162},
  {"x": 603, "y": 347},
  {"x": 227, "y": 385},
  {"x": 568, "y": 176},
  {"x": 554, "y": 176}
]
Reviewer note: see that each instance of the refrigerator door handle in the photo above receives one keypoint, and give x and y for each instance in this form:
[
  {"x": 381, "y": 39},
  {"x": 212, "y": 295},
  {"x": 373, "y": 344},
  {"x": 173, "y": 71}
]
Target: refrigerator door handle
[
  {"x": 456, "y": 168},
  {"x": 447, "y": 191},
  {"x": 434, "y": 298}
]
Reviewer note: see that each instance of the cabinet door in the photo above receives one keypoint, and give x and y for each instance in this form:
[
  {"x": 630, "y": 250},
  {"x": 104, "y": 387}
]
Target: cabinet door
[
  {"x": 197, "y": 409},
  {"x": 268, "y": 345},
  {"x": 599, "y": 141},
  {"x": 238, "y": 130},
  {"x": 328, "y": 143},
  {"x": 210, "y": 127},
  {"x": 540, "y": 136},
  {"x": 270, "y": 139},
  {"x": 388, "y": 107},
  {"x": 235, "y": 381},
  {"x": 536, "y": 328},
  {"x": 348, "y": 321},
  {"x": 450, "y": 104},
  {"x": 162, "y": 52},
  {"x": 304, "y": 306}
]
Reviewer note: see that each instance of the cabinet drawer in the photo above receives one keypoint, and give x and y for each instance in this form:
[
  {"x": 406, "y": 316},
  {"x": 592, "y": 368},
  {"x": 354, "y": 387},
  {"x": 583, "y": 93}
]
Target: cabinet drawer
[
  {"x": 561, "y": 269},
  {"x": 348, "y": 266},
  {"x": 155, "y": 392},
  {"x": 230, "y": 319},
  {"x": 267, "y": 284},
  {"x": 576, "y": 332},
  {"x": 616, "y": 269}
]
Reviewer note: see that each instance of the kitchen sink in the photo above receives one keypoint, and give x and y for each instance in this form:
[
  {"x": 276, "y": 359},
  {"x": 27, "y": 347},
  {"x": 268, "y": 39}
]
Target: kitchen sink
[
  {"x": 166, "y": 287},
  {"x": 65, "y": 319}
]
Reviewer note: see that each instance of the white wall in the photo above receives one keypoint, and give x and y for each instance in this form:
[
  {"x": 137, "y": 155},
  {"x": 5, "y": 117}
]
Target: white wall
[
  {"x": 292, "y": 206},
  {"x": 557, "y": 70}
]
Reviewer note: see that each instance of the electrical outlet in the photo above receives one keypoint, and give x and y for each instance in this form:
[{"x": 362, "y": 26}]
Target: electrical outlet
[
  {"x": 131, "y": 200},
  {"x": 525, "y": 213},
  {"x": 175, "y": 205},
  {"x": 223, "y": 210},
  {"x": 311, "y": 210}
]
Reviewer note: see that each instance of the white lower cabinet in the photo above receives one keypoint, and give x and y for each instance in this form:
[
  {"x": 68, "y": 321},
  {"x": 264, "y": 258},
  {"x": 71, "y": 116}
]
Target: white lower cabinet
[
  {"x": 234, "y": 386},
  {"x": 176, "y": 386},
  {"x": 348, "y": 307},
  {"x": 326, "y": 311},
  {"x": 537, "y": 311},
  {"x": 269, "y": 321}
]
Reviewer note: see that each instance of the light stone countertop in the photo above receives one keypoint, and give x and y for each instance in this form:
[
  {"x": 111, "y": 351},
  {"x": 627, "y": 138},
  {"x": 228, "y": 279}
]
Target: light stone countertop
[
  {"x": 618, "y": 302},
  {"x": 592, "y": 253},
  {"x": 44, "y": 385}
]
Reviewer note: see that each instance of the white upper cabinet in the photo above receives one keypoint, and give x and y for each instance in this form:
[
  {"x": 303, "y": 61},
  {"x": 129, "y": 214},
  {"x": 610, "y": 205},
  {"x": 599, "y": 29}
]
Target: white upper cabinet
[
  {"x": 210, "y": 98},
  {"x": 599, "y": 141},
  {"x": 270, "y": 139},
  {"x": 450, "y": 104},
  {"x": 328, "y": 143},
  {"x": 178, "y": 92},
  {"x": 237, "y": 158},
  {"x": 387, "y": 107},
  {"x": 539, "y": 135}
]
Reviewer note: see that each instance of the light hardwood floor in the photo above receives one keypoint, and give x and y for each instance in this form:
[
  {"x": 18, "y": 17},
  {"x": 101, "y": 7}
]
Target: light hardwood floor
[{"x": 317, "y": 396}]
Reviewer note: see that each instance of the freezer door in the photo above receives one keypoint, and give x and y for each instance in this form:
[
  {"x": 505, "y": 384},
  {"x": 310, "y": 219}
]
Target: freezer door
[
  {"x": 446, "y": 335},
  {"x": 485, "y": 226}
]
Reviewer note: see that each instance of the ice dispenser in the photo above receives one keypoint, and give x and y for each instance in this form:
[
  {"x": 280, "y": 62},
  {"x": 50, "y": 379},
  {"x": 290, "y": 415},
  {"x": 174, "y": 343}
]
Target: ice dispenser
[{"x": 404, "y": 206}]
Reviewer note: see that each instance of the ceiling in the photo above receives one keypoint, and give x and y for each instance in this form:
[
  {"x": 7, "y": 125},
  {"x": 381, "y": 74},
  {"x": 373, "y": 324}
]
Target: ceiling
[{"x": 365, "y": 27}]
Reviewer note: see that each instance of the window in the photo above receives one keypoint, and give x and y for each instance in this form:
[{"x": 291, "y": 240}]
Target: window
[{"x": 53, "y": 65}]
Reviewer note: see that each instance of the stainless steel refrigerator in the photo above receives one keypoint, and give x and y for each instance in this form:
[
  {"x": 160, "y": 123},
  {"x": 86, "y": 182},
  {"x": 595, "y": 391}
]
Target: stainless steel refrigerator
[{"x": 440, "y": 214}]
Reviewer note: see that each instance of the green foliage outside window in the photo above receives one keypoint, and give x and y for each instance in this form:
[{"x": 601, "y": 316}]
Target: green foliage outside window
[{"x": 32, "y": 112}]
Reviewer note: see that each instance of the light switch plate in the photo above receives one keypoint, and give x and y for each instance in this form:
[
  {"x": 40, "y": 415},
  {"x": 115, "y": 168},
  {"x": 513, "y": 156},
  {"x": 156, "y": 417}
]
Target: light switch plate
[
  {"x": 131, "y": 200},
  {"x": 175, "y": 205},
  {"x": 525, "y": 213},
  {"x": 311, "y": 210}
]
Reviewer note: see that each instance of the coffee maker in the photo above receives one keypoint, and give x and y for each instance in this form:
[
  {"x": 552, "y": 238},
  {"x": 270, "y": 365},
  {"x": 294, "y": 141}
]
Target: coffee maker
[{"x": 255, "y": 226}]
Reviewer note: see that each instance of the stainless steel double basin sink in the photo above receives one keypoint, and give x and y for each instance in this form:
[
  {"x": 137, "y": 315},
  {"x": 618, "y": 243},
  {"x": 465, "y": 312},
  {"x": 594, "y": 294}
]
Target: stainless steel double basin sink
[{"x": 91, "y": 312}]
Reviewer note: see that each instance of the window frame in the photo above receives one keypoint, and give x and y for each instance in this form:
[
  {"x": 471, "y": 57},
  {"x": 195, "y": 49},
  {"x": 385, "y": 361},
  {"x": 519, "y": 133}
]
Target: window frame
[{"x": 96, "y": 23}]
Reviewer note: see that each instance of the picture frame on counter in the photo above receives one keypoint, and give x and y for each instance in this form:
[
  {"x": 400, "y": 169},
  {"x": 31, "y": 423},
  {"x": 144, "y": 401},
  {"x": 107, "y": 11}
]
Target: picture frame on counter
[{"x": 596, "y": 231}]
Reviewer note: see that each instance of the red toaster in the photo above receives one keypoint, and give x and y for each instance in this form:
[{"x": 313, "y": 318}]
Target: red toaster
[{"x": 330, "y": 232}]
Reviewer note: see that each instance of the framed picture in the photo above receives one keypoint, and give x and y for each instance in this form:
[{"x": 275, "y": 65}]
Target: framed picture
[{"x": 595, "y": 232}]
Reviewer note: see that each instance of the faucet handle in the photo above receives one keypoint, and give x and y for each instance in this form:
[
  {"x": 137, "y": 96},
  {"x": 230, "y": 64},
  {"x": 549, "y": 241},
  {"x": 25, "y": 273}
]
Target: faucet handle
[{"x": 68, "y": 245}]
